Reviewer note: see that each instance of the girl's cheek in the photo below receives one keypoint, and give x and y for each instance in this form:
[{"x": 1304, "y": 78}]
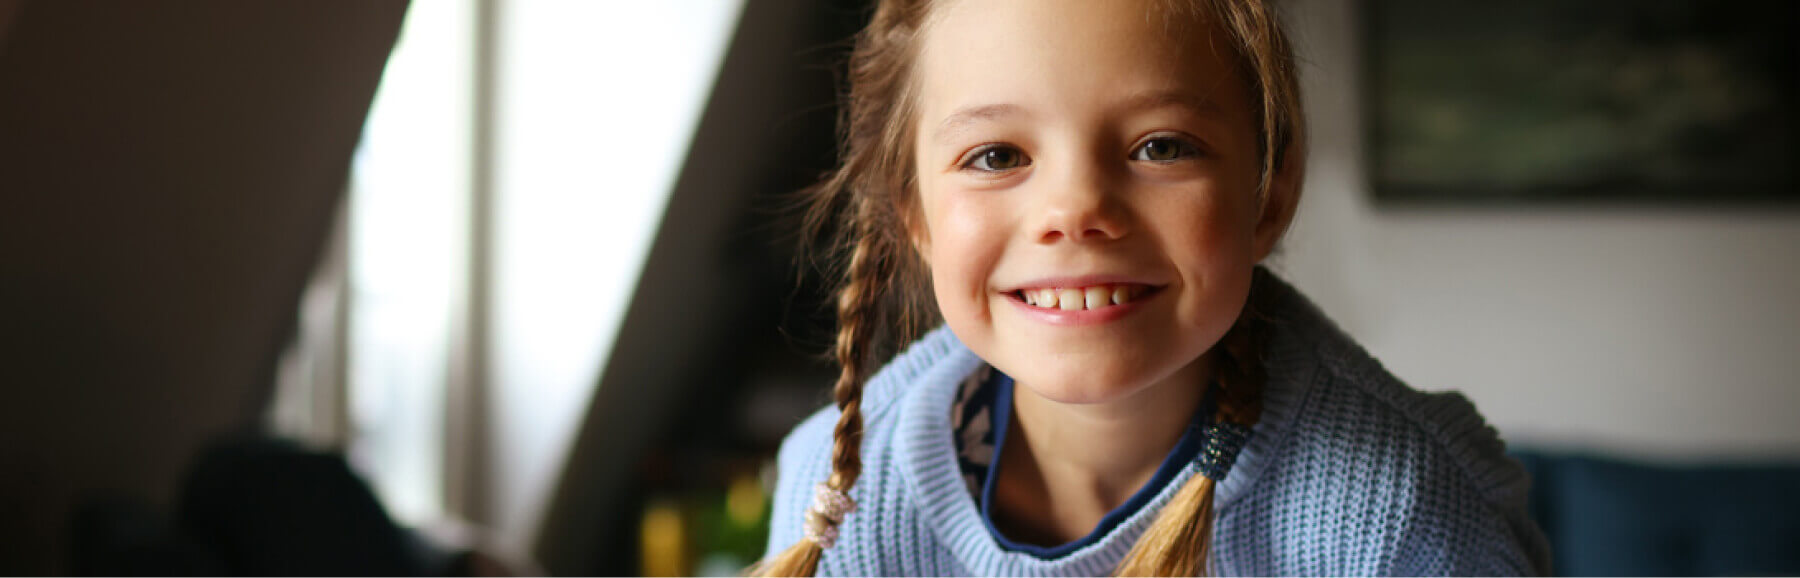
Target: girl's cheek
[
  {"x": 962, "y": 222},
  {"x": 964, "y": 249}
]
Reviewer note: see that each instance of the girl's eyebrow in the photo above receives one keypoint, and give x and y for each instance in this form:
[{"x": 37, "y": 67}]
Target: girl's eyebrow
[{"x": 960, "y": 120}]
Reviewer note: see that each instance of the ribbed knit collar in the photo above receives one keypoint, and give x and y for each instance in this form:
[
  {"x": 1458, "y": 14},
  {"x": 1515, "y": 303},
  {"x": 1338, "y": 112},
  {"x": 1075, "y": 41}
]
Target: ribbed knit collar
[{"x": 922, "y": 385}]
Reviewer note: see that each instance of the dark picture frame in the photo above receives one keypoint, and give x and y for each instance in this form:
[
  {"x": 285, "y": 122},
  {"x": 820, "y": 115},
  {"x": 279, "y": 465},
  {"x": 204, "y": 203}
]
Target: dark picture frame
[{"x": 1545, "y": 102}]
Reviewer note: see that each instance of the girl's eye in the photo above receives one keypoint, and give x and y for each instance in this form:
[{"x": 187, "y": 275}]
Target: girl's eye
[
  {"x": 1164, "y": 150},
  {"x": 995, "y": 158}
]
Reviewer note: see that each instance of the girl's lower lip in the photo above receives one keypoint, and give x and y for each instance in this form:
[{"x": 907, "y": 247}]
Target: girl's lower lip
[{"x": 1081, "y": 317}]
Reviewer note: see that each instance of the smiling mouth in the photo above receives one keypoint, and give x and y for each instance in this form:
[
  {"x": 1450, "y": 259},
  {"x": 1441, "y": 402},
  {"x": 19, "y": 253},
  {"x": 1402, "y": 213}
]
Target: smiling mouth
[{"x": 1083, "y": 298}]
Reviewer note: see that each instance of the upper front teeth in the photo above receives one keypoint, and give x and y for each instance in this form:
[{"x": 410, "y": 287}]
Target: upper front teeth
[
  {"x": 1076, "y": 299},
  {"x": 1097, "y": 297},
  {"x": 1069, "y": 299}
]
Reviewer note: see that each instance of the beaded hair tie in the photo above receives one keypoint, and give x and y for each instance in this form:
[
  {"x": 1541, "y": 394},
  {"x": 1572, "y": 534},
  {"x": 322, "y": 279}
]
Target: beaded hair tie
[
  {"x": 1220, "y": 448},
  {"x": 828, "y": 509}
]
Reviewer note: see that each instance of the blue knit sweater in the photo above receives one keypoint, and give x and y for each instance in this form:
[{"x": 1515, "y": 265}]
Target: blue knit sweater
[{"x": 1349, "y": 472}]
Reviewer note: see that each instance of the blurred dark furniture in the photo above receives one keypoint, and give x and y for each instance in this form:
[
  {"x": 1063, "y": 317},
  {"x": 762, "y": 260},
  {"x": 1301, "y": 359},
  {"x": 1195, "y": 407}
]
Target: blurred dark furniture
[
  {"x": 257, "y": 506},
  {"x": 1610, "y": 517}
]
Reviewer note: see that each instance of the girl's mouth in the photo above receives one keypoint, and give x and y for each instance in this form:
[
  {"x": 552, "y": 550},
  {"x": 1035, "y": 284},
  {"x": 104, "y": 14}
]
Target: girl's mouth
[{"x": 1089, "y": 298}]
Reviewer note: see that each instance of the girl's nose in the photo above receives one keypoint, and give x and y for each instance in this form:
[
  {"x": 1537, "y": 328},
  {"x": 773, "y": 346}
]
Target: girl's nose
[{"x": 1082, "y": 207}]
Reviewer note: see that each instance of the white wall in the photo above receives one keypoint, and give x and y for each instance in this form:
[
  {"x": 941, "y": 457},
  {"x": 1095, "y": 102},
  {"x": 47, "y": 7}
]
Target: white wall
[{"x": 1662, "y": 333}]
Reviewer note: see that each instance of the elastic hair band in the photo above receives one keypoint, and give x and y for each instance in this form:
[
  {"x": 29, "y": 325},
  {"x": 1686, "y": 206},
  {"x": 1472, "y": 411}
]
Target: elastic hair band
[
  {"x": 828, "y": 509},
  {"x": 1220, "y": 449}
]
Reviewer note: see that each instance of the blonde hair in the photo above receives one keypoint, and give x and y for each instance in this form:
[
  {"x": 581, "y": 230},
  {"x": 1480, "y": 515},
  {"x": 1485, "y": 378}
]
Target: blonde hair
[{"x": 883, "y": 298}]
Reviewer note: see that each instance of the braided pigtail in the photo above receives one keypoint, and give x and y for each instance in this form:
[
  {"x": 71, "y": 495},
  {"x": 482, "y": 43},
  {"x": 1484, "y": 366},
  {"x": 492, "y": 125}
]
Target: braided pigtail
[
  {"x": 1178, "y": 543},
  {"x": 859, "y": 313}
]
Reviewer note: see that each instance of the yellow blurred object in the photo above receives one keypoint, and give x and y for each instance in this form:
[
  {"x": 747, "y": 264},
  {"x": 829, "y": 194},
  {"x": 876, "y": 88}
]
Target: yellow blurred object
[
  {"x": 745, "y": 500},
  {"x": 664, "y": 540}
]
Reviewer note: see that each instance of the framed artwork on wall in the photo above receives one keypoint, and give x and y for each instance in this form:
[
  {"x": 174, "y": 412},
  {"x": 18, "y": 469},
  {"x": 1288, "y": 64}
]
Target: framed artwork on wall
[{"x": 1535, "y": 102}]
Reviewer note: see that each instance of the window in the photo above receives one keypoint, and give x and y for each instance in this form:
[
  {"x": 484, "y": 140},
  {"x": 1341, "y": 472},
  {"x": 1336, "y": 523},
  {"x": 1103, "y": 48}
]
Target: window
[{"x": 514, "y": 167}]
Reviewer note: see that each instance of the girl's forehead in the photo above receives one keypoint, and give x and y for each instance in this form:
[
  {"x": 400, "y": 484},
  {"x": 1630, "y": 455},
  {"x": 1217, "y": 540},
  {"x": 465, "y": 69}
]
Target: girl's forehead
[{"x": 1071, "y": 55}]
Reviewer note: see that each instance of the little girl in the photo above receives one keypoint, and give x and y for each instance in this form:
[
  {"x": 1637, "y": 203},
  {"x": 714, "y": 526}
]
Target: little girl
[{"x": 1081, "y": 190}]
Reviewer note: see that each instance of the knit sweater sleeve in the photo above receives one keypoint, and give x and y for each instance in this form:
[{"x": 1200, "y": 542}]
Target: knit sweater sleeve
[{"x": 803, "y": 462}]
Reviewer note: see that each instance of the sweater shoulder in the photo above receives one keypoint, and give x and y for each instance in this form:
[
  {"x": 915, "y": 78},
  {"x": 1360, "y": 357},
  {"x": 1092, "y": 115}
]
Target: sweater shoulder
[
  {"x": 1445, "y": 420},
  {"x": 1468, "y": 498},
  {"x": 1352, "y": 392},
  {"x": 1423, "y": 473}
]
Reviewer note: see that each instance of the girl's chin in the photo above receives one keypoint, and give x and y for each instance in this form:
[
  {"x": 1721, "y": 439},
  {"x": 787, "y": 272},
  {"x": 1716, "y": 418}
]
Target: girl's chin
[
  {"x": 1101, "y": 379},
  {"x": 1086, "y": 392}
]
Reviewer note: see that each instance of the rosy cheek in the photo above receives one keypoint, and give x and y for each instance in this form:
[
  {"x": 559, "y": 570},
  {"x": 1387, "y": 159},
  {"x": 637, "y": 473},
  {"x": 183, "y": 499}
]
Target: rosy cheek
[{"x": 962, "y": 253}]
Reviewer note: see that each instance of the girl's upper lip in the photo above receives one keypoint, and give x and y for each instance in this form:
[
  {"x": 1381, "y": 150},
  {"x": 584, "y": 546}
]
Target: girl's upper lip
[{"x": 1074, "y": 281}]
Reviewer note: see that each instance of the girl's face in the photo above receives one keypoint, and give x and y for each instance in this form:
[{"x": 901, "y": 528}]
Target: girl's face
[{"x": 1087, "y": 178}]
